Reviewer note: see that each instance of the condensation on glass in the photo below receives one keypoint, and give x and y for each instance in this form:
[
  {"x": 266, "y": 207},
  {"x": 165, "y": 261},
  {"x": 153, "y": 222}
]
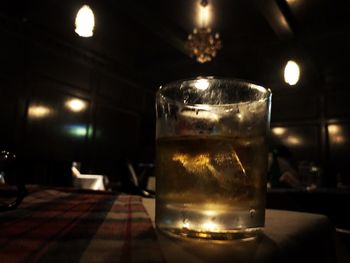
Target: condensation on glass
[{"x": 211, "y": 158}]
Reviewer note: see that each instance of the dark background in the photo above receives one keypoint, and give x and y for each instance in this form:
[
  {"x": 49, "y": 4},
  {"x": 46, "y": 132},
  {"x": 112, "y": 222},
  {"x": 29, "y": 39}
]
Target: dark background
[{"x": 139, "y": 45}]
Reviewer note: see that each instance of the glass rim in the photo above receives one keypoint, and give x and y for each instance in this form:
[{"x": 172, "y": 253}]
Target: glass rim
[{"x": 177, "y": 83}]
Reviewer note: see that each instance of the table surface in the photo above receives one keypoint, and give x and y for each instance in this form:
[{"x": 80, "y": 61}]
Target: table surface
[
  {"x": 288, "y": 237},
  {"x": 67, "y": 226}
]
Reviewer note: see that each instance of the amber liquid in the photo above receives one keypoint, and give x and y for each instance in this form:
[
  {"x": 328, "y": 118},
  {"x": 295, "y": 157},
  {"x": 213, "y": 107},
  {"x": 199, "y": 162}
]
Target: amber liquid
[{"x": 211, "y": 186}]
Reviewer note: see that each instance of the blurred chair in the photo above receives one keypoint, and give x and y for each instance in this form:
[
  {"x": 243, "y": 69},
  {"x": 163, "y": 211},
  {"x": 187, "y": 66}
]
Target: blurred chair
[
  {"x": 136, "y": 182},
  {"x": 12, "y": 187},
  {"x": 89, "y": 181}
]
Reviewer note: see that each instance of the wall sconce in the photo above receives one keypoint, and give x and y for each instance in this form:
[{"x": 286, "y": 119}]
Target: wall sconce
[
  {"x": 291, "y": 73},
  {"x": 85, "y": 22},
  {"x": 76, "y": 105},
  {"x": 38, "y": 111}
]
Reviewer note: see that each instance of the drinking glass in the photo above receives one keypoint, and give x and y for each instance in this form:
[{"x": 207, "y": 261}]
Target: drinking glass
[{"x": 211, "y": 158}]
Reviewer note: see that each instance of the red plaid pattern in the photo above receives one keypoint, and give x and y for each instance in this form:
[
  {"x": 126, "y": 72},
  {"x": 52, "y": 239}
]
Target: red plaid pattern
[{"x": 58, "y": 226}]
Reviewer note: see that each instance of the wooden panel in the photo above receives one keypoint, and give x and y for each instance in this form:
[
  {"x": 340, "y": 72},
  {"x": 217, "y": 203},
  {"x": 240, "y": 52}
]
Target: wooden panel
[
  {"x": 47, "y": 83},
  {"x": 8, "y": 110},
  {"x": 294, "y": 107},
  {"x": 57, "y": 124},
  {"x": 59, "y": 66},
  {"x": 11, "y": 54},
  {"x": 110, "y": 87},
  {"x": 338, "y": 104},
  {"x": 116, "y": 133},
  {"x": 302, "y": 141},
  {"x": 132, "y": 98},
  {"x": 339, "y": 150},
  {"x": 150, "y": 104}
]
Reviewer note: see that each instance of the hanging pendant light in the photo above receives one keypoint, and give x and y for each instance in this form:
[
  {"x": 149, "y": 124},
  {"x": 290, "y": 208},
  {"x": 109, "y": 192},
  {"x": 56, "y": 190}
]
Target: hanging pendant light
[
  {"x": 85, "y": 22},
  {"x": 202, "y": 43},
  {"x": 291, "y": 73}
]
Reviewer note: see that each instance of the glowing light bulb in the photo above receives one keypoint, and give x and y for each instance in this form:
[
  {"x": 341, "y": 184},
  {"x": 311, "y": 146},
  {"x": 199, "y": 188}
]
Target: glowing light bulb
[
  {"x": 76, "y": 105},
  {"x": 85, "y": 22},
  {"x": 204, "y": 15},
  {"x": 38, "y": 111},
  {"x": 291, "y": 73}
]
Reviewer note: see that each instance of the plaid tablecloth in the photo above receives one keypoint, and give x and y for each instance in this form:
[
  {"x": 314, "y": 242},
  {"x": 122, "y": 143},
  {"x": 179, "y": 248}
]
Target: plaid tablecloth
[{"x": 66, "y": 226}]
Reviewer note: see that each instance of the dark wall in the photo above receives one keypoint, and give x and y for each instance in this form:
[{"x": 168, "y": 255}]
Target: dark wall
[
  {"x": 40, "y": 72},
  {"x": 138, "y": 46},
  {"x": 314, "y": 124}
]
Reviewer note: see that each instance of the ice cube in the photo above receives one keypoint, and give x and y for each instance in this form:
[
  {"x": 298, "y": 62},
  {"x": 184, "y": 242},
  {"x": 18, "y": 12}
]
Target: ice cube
[{"x": 226, "y": 167}]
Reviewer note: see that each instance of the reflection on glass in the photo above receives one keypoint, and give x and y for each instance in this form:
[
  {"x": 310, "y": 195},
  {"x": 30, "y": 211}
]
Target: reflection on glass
[
  {"x": 283, "y": 21},
  {"x": 293, "y": 140},
  {"x": 278, "y": 130},
  {"x": 202, "y": 84},
  {"x": 291, "y": 73},
  {"x": 200, "y": 115},
  {"x": 90, "y": 131},
  {"x": 291, "y": 2},
  {"x": 85, "y": 22},
  {"x": 76, "y": 130},
  {"x": 336, "y": 133},
  {"x": 339, "y": 139},
  {"x": 76, "y": 105},
  {"x": 185, "y": 224},
  {"x": 210, "y": 226},
  {"x": 334, "y": 129},
  {"x": 38, "y": 111}
]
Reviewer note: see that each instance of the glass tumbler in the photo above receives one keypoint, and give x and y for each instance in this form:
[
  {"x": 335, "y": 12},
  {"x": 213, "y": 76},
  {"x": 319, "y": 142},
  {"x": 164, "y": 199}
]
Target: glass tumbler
[{"x": 211, "y": 158}]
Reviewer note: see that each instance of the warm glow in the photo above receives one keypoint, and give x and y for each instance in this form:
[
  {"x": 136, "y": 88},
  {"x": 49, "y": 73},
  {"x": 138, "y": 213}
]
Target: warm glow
[
  {"x": 202, "y": 84},
  {"x": 339, "y": 139},
  {"x": 334, "y": 129},
  {"x": 210, "y": 213},
  {"x": 200, "y": 162},
  {"x": 38, "y": 111},
  {"x": 278, "y": 130},
  {"x": 293, "y": 140},
  {"x": 210, "y": 226},
  {"x": 186, "y": 225},
  {"x": 204, "y": 15},
  {"x": 85, "y": 22},
  {"x": 291, "y": 2},
  {"x": 76, "y": 105},
  {"x": 291, "y": 73},
  {"x": 203, "y": 164}
]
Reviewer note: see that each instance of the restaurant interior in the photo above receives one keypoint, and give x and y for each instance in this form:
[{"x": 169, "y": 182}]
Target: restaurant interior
[{"x": 79, "y": 92}]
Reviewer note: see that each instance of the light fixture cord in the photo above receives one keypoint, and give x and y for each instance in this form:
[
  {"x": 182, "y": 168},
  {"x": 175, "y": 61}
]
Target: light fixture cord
[{"x": 204, "y": 3}]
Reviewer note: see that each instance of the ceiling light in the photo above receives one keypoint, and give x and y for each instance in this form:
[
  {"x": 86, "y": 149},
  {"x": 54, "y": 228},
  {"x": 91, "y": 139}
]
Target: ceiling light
[
  {"x": 291, "y": 73},
  {"x": 203, "y": 14},
  {"x": 202, "y": 43},
  {"x": 85, "y": 22}
]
